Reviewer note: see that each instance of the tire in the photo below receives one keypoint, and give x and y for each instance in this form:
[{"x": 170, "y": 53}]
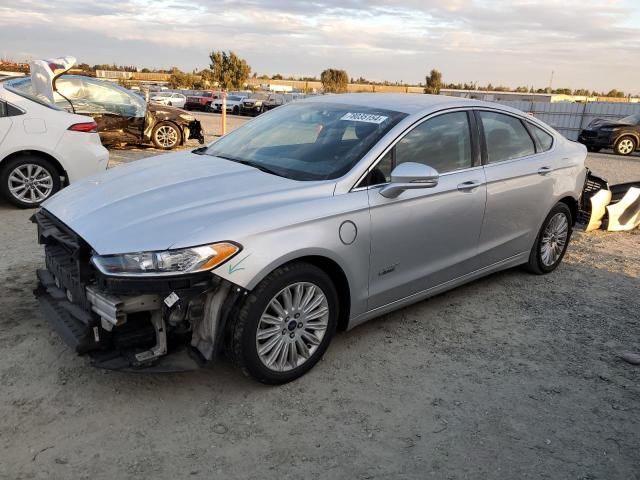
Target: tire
[
  {"x": 44, "y": 174},
  {"x": 594, "y": 149},
  {"x": 550, "y": 245},
  {"x": 170, "y": 104},
  {"x": 289, "y": 336},
  {"x": 625, "y": 145},
  {"x": 235, "y": 110},
  {"x": 166, "y": 136}
]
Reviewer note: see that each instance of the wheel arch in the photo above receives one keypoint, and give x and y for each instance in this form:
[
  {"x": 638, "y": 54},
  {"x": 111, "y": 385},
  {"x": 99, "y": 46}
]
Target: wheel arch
[
  {"x": 572, "y": 203},
  {"x": 38, "y": 153},
  {"x": 335, "y": 272},
  {"x": 628, "y": 133}
]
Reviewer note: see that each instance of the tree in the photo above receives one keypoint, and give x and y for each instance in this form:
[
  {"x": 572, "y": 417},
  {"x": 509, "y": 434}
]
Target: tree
[
  {"x": 334, "y": 80},
  {"x": 434, "y": 82},
  {"x": 614, "y": 93},
  {"x": 228, "y": 70},
  {"x": 277, "y": 76}
]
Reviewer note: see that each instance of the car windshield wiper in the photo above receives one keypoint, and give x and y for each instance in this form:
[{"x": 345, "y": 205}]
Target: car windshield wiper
[{"x": 251, "y": 164}]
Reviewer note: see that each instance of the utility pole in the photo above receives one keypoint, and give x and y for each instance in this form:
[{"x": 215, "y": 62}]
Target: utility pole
[{"x": 551, "y": 81}]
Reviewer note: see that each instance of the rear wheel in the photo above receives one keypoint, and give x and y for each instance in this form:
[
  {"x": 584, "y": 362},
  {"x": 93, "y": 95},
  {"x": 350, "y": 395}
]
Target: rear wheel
[
  {"x": 286, "y": 324},
  {"x": 625, "y": 145},
  {"x": 28, "y": 180},
  {"x": 552, "y": 241},
  {"x": 166, "y": 135}
]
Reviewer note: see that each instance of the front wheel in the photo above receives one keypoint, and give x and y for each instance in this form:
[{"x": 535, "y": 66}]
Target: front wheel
[
  {"x": 625, "y": 145},
  {"x": 28, "y": 180},
  {"x": 552, "y": 240},
  {"x": 593, "y": 149},
  {"x": 236, "y": 110},
  {"x": 286, "y": 324},
  {"x": 166, "y": 135}
]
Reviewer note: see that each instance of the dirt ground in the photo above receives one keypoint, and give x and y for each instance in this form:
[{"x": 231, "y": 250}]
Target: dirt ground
[{"x": 513, "y": 376}]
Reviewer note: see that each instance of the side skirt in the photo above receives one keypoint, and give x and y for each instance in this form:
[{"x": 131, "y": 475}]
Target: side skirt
[{"x": 510, "y": 262}]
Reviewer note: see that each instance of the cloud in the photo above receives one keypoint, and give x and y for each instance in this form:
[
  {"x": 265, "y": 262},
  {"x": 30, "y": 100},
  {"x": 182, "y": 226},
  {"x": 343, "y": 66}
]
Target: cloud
[{"x": 588, "y": 43}]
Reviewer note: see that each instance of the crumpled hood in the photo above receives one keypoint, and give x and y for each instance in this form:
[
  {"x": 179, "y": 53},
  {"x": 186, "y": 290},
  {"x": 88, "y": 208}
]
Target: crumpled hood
[
  {"x": 600, "y": 123},
  {"x": 160, "y": 202}
]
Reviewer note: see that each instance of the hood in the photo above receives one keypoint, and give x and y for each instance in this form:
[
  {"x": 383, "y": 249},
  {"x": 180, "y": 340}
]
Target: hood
[
  {"x": 166, "y": 111},
  {"x": 45, "y": 72},
  {"x": 167, "y": 201},
  {"x": 601, "y": 122}
]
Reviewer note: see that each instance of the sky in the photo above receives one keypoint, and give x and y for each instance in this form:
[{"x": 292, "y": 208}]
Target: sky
[{"x": 586, "y": 43}]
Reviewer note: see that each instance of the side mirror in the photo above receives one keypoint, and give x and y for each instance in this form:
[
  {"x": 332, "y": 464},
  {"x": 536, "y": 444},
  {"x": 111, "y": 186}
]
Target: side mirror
[{"x": 408, "y": 176}]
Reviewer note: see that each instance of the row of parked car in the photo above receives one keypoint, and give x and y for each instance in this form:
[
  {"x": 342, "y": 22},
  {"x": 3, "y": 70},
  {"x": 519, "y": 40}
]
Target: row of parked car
[{"x": 238, "y": 103}]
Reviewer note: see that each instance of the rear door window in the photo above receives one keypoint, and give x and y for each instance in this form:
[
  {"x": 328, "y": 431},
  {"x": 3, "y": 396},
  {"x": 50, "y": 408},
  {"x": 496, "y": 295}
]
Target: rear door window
[
  {"x": 506, "y": 137},
  {"x": 545, "y": 141}
]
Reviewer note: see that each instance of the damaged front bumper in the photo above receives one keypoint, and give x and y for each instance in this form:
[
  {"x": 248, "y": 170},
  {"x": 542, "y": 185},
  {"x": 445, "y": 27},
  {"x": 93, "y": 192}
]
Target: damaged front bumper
[{"x": 153, "y": 324}]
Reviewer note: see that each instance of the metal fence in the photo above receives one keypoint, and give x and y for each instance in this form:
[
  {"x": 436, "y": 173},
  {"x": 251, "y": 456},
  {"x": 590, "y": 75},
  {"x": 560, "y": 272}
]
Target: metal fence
[{"x": 570, "y": 118}]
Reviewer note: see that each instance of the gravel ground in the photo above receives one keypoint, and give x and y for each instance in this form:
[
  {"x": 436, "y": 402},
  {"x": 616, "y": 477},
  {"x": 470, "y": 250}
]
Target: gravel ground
[{"x": 512, "y": 376}]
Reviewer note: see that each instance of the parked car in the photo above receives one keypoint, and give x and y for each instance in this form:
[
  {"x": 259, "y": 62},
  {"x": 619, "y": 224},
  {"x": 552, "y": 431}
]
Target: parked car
[
  {"x": 43, "y": 148},
  {"x": 173, "y": 99},
  {"x": 622, "y": 135},
  {"x": 254, "y": 103},
  {"x": 122, "y": 116},
  {"x": 327, "y": 212},
  {"x": 200, "y": 101},
  {"x": 234, "y": 102}
]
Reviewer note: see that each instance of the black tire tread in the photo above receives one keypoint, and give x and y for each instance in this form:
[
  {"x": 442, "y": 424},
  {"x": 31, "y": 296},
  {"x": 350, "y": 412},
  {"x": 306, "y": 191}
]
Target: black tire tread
[{"x": 534, "y": 264}]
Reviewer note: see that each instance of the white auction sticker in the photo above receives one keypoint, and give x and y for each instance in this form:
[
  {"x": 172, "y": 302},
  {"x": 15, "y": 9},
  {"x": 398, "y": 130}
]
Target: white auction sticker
[{"x": 364, "y": 117}]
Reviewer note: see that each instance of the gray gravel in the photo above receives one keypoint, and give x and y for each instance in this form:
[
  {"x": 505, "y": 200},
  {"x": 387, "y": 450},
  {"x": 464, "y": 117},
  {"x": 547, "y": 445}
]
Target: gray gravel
[{"x": 512, "y": 376}]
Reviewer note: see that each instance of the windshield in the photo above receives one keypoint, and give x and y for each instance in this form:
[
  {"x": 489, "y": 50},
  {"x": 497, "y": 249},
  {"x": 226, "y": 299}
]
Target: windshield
[
  {"x": 632, "y": 119},
  {"x": 233, "y": 98},
  {"x": 164, "y": 94},
  {"x": 88, "y": 96},
  {"x": 307, "y": 141}
]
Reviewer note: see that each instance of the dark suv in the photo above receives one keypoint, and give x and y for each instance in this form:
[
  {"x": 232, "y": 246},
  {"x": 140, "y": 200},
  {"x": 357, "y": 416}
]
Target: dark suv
[{"x": 622, "y": 135}]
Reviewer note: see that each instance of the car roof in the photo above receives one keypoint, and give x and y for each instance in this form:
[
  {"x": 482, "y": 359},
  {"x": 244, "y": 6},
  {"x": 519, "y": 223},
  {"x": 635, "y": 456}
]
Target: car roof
[{"x": 410, "y": 103}]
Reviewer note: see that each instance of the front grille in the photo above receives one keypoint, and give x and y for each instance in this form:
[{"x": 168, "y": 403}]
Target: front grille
[{"x": 66, "y": 257}]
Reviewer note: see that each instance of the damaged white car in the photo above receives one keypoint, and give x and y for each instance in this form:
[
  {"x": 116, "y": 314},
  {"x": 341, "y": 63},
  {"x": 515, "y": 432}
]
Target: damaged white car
[{"x": 317, "y": 216}]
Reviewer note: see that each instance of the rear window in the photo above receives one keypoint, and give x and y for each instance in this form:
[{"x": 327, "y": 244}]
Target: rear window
[{"x": 22, "y": 87}]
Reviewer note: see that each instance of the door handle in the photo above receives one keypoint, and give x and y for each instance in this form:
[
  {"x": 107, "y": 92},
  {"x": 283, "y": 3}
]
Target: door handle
[
  {"x": 544, "y": 170},
  {"x": 469, "y": 186}
]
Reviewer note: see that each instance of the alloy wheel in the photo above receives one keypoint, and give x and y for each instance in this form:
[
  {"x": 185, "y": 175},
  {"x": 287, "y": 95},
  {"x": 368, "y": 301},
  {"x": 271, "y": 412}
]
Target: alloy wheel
[
  {"x": 30, "y": 183},
  {"x": 625, "y": 146},
  {"x": 554, "y": 239},
  {"x": 167, "y": 136},
  {"x": 292, "y": 326}
]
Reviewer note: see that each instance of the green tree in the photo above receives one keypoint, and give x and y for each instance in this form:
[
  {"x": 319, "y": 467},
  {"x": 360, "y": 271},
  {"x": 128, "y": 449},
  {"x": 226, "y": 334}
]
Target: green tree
[
  {"x": 434, "y": 82},
  {"x": 277, "y": 76},
  {"x": 228, "y": 70},
  {"x": 334, "y": 80}
]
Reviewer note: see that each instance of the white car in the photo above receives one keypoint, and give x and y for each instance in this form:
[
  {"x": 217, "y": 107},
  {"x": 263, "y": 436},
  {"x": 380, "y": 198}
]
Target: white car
[
  {"x": 43, "y": 148},
  {"x": 170, "y": 98},
  {"x": 234, "y": 103}
]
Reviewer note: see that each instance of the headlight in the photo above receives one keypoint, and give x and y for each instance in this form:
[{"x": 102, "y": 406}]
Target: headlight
[
  {"x": 187, "y": 117},
  {"x": 169, "y": 262}
]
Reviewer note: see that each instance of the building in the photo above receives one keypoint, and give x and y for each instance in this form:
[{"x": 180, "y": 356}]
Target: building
[{"x": 494, "y": 96}]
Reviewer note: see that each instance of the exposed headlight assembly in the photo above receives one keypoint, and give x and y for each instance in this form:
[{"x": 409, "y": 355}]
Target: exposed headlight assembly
[
  {"x": 186, "y": 117},
  {"x": 168, "y": 262}
]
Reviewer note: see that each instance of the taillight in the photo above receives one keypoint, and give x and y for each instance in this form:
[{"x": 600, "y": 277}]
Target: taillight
[{"x": 88, "y": 127}]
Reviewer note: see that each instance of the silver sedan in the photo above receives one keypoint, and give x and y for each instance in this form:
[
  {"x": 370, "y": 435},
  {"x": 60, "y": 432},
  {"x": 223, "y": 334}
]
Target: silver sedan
[{"x": 317, "y": 216}]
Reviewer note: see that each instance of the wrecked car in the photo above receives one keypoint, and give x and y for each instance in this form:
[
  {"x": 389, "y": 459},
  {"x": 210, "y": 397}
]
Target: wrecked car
[
  {"x": 316, "y": 216},
  {"x": 623, "y": 135},
  {"x": 121, "y": 115}
]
